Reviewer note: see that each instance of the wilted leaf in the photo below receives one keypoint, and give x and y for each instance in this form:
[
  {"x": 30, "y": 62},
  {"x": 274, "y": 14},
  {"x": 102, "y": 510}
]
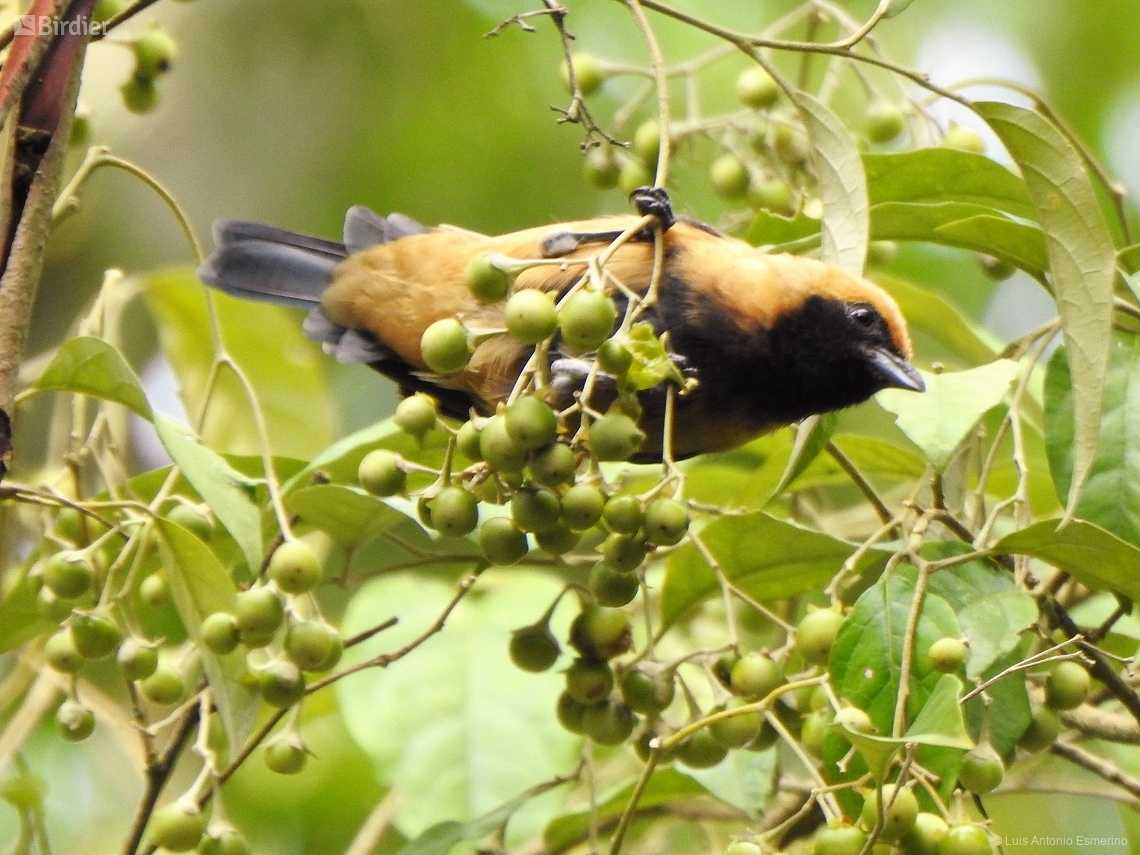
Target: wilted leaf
[
  {"x": 651, "y": 362},
  {"x": 812, "y": 436},
  {"x": 91, "y": 366}
]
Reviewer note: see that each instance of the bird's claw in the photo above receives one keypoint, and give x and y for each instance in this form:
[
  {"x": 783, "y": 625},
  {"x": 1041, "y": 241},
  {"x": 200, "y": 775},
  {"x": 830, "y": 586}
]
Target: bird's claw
[{"x": 654, "y": 202}]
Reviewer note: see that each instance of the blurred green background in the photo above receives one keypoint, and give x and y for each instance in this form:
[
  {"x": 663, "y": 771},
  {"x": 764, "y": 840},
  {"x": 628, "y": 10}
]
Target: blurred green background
[{"x": 290, "y": 111}]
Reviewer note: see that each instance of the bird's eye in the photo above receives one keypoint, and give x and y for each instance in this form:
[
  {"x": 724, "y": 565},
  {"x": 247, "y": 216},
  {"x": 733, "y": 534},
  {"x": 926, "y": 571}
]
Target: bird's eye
[{"x": 863, "y": 316}]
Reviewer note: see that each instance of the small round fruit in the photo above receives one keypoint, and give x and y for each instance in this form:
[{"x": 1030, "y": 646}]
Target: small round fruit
[
  {"x": 900, "y": 808},
  {"x": 220, "y": 633},
  {"x": 729, "y": 177},
  {"x": 165, "y": 686},
  {"x": 587, "y": 73},
  {"x": 981, "y": 770},
  {"x": 313, "y": 645},
  {"x": 816, "y": 633},
  {"x": 853, "y": 719},
  {"x": 964, "y": 139},
  {"x": 193, "y": 518},
  {"x": 589, "y": 682},
  {"x": 666, "y": 521},
  {"x": 947, "y": 655},
  {"x": 553, "y": 465},
  {"x": 416, "y": 415},
  {"x": 881, "y": 252},
  {"x": 95, "y": 636},
  {"x": 813, "y": 731},
  {"x": 502, "y": 453},
  {"x": 790, "y": 145},
  {"x": 755, "y": 675},
  {"x": 701, "y": 751},
  {"x": 531, "y": 423},
  {"x": 503, "y": 543},
  {"x": 444, "y": 346},
  {"x": 997, "y": 269},
  {"x": 69, "y": 574},
  {"x": 923, "y": 837},
  {"x": 286, "y": 755},
  {"x": 615, "y": 436},
  {"x": 645, "y": 694},
  {"x": 535, "y": 510},
  {"x": 224, "y": 841},
  {"x": 137, "y": 658},
  {"x": 840, "y": 840},
  {"x": 965, "y": 840},
  {"x": 105, "y": 10},
  {"x": 600, "y": 632},
  {"x": 467, "y": 441},
  {"x": 756, "y": 88},
  {"x": 623, "y": 514},
  {"x": 294, "y": 567},
  {"x": 601, "y": 169},
  {"x": 885, "y": 121},
  {"x": 258, "y": 610},
  {"x": 61, "y": 653},
  {"x": 634, "y": 174},
  {"x": 73, "y": 721},
  {"x": 612, "y": 587},
  {"x": 582, "y": 506},
  {"x": 530, "y": 315},
  {"x": 608, "y": 723},
  {"x": 1044, "y": 728},
  {"x": 614, "y": 357},
  {"x": 177, "y": 827},
  {"x": 625, "y": 552},
  {"x": 154, "y": 50},
  {"x": 740, "y": 729},
  {"x": 487, "y": 283},
  {"x": 558, "y": 540},
  {"x": 140, "y": 94},
  {"x": 380, "y": 473},
  {"x": 155, "y": 591},
  {"x": 743, "y": 847},
  {"x": 1067, "y": 685},
  {"x": 587, "y": 319},
  {"x": 647, "y": 141},
  {"x": 455, "y": 512},
  {"x": 772, "y": 194},
  {"x": 534, "y": 648},
  {"x": 281, "y": 683},
  {"x": 571, "y": 713}
]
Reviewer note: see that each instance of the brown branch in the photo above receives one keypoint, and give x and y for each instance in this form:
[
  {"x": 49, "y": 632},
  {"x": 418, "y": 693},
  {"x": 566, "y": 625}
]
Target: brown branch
[{"x": 1098, "y": 766}]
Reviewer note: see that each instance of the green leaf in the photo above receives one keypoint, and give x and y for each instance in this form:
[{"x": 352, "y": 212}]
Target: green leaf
[
  {"x": 938, "y": 420},
  {"x": 1111, "y": 497},
  {"x": 91, "y": 366},
  {"x": 1129, "y": 258},
  {"x": 1082, "y": 261},
  {"x": 455, "y": 727},
  {"x": 1095, "y": 557},
  {"x": 769, "y": 229},
  {"x": 20, "y": 619},
  {"x": 743, "y": 780},
  {"x": 767, "y": 558},
  {"x": 812, "y": 436},
  {"x": 200, "y": 586},
  {"x": 226, "y": 491},
  {"x": 842, "y": 186},
  {"x": 931, "y": 317},
  {"x": 1010, "y": 712},
  {"x": 286, "y": 370},
  {"x": 651, "y": 362},
  {"x": 942, "y": 174}
]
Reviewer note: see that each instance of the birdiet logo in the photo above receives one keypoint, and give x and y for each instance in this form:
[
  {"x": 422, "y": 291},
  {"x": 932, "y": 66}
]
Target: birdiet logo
[{"x": 46, "y": 25}]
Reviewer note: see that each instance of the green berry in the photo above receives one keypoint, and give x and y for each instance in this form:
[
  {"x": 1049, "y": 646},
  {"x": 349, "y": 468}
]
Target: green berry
[
  {"x": 600, "y": 632},
  {"x": 535, "y": 510},
  {"x": 755, "y": 675},
  {"x": 634, "y": 174},
  {"x": 582, "y": 506},
  {"x": 900, "y": 809},
  {"x": 981, "y": 770},
  {"x": 258, "y": 610},
  {"x": 455, "y": 512},
  {"x": 885, "y": 121},
  {"x": 558, "y": 540},
  {"x": 165, "y": 686},
  {"x": 286, "y": 755},
  {"x": 177, "y": 827},
  {"x": 502, "y": 453},
  {"x": 816, "y": 634},
  {"x": 534, "y": 648},
  {"x": 571, "y": 713},
  {"x": 588, "y": 682},
  {"x": 193, "y": 518},
  {"x": 772, "y": 194},
  {"x": 647, "y": 142},
  {"x": 790, "y": 145},
  {"x": 881, "y": 252},
  {"x": 614, "y": 357},
  {"x": 840, "y": 840},
  {"x": 601, "y": 169},
  {"x": 997, "y": 269},
  {"x": 105, "y": 10},
  {"x": 137, "y": 658},
  {"x": 380, "y": 473},
  {"x": 722, "y": 667},
  {"x": 487, "y": 283},
  {"x": 813, "y": 730},
  {"x": 140, "y": 94},
  {"x": 61, "y": 653},
  {"x": 587, "y": 73},
  {"x": 69, "y": 574},
  {"x": 947, "y": 655},
  {"x": 756, "y": 88},
  {"x": 531, "y": 423},
  {"x": 155, "y": 51},
  {"x": 553, "y": 465},
  {"x": 313, "y": 645},
  {"x": 416, "y": 415},
  {"x": 615, "y": 436},
  {"x": 224, "y": 841},
  {"x": 95, "y": 636},
  {"x": 155, "y": 591},
  {"x": 608, "y": 723},
  {"x": 965, "y": 840},
  {"x": 853, "y": 719},
  {"x": 645, "y": 694},
  {"x": 73, "y": 721},
  {"x": 729, "y": 177},
  {"x": 530, "y": 315},
  {"x": 281, "y": 683},
  {"x": 587, "y": 319},
  {"x": 220, "y": 633},
  {"x": 467, "y": 441},
  {"x": 503, "y": 543},
  {"x": 612, "y": 587},
  {"x": 1067, "y": 685},
  {"x": 625, "y": 552},
  {"x": 444, "y": 346},
  {"x": 923, "y": 837},
  {"x": 964, "y": 139},
  {"x": 623, "y": 514},
  {"x": 666, "y": 521},
  {"x": 701, "y": 751},
  {"x": 294, "y": 567},
  {"x": 740, "y": 729}
]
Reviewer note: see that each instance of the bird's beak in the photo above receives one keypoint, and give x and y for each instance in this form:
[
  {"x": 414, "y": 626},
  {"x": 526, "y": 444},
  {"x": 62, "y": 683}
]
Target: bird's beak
[{"x": 895, "y": 371}]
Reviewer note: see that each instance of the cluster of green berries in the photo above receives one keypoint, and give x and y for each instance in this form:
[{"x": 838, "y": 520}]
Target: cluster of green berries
[
  {"x": 154, "y": 53},
  {"x": 182, "y": 826}
]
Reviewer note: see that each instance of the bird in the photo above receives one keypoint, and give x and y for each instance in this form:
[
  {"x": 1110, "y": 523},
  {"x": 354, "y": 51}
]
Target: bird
[{"x": 769, "y": 339}]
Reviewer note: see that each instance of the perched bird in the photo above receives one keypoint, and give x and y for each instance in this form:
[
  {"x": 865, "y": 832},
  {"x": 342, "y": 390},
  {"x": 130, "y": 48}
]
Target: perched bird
[{"x": 770, "y": 339}]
